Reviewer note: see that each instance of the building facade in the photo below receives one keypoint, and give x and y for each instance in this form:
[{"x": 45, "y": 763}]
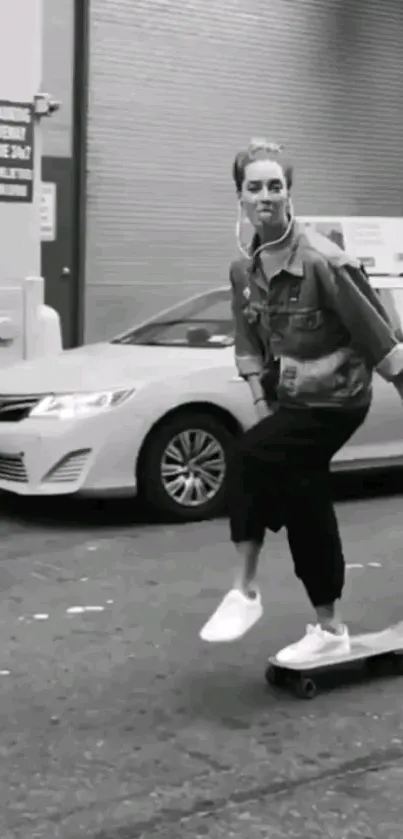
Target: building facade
[{"x": 171, "y": 90}]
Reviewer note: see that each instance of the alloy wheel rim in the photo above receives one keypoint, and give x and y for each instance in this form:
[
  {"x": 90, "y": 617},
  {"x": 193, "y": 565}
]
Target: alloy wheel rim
[{"x": 193, "y": 467}]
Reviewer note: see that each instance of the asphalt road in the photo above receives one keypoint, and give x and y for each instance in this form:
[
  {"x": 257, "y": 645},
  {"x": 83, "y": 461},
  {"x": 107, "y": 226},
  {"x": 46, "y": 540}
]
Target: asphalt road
[{"x": 118, "y": 723}]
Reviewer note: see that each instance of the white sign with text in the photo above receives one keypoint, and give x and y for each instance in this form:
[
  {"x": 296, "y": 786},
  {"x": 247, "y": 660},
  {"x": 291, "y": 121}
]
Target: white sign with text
[{"x": 376, "y": 241}]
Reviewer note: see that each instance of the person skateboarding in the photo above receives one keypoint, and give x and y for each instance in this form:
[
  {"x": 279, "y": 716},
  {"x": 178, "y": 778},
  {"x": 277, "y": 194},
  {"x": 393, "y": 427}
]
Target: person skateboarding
[{"x": 309, "y": 333}]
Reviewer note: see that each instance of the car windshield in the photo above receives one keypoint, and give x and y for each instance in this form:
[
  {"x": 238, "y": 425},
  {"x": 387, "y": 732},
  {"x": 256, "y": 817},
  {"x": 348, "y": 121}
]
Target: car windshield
[{"x": 204, "y": 321}]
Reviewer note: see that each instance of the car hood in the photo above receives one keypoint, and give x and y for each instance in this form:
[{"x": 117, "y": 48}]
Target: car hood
[{"x": 103, "y": 366}]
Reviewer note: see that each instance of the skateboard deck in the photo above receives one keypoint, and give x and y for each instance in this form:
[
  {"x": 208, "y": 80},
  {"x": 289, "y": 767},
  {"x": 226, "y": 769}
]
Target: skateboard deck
[{"x": 369, "y": 647}]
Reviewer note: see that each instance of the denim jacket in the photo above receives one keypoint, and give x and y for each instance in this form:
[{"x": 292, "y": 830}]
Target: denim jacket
[{"x": 315, "y": 331}]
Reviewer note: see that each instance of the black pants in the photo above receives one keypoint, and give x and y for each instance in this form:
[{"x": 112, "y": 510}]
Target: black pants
[{"x": 279, "y": 476}]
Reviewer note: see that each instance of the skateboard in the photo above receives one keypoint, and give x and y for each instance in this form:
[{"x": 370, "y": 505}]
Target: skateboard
[{"x": 373, "y": 649}]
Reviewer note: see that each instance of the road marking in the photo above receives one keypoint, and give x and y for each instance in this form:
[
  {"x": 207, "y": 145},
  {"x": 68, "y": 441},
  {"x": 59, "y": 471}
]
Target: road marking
[
  {"x": 41, "y": 617},
  {"x": 78, "y": 610},
  {"x": 5, "y": 672},
  {"x": 360, "y": 565}
]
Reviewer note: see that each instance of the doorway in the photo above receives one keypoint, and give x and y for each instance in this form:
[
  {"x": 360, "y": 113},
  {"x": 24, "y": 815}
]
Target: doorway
[{"x": 57, "y": 243}]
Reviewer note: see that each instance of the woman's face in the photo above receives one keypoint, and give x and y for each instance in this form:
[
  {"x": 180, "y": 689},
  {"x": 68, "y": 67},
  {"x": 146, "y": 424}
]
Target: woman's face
[{"x": 264, "y": 195}]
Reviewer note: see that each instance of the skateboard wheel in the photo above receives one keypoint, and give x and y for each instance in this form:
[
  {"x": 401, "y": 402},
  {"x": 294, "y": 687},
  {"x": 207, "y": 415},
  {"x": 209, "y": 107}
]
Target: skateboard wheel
[{"x": 305, "y": 689}]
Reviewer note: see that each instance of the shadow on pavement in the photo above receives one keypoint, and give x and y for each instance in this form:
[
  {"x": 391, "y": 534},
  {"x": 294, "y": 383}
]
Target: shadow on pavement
[
  {"x": 84, "y": 513},
  {"x": 76, "y": 513},
  {"x": 362, "y": 485}
]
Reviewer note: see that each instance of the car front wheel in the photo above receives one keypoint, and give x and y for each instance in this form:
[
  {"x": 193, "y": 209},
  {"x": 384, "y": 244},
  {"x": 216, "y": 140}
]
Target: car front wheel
[{"x": 184, "y": 467}]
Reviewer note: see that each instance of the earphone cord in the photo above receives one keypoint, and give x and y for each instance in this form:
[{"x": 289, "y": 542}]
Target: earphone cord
[{"x": 267, "y": 244}]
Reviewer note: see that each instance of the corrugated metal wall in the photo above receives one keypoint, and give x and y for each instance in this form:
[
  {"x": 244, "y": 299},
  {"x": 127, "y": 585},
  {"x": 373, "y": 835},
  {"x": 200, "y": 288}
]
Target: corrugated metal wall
[
  {"x": 178, "y": 86},
  {"x": 58, "y": 22}
]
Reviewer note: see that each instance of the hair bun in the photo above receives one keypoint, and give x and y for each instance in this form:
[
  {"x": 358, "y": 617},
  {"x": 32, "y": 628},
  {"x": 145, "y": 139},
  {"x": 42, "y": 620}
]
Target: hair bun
[{"x": 258, "y": 143}]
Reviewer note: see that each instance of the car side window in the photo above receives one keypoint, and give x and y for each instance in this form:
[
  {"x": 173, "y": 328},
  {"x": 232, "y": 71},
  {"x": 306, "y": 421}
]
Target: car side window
[{"x": 205, "y": 321}]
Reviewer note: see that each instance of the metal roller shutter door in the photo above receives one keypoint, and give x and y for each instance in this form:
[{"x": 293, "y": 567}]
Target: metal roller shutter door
[{"x": 178, "y": 86}]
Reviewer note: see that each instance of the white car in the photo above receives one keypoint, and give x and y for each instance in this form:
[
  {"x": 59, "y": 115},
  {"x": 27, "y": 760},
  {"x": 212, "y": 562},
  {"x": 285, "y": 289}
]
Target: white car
[{"x": 154, "y": 412}]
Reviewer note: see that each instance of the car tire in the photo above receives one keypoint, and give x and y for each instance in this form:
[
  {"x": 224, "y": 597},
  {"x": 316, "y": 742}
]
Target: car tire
[{"x": 180, "y": 496}]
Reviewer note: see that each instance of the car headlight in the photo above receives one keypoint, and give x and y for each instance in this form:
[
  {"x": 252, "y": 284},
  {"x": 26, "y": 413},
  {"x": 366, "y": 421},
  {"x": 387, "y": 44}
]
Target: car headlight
[{"x": 74, "y": 405}]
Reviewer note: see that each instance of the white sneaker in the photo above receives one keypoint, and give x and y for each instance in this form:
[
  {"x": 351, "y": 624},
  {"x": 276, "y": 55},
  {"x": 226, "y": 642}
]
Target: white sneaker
[
  {"x": 233, "y": 618},
  {"x": 317, "y": 643}
]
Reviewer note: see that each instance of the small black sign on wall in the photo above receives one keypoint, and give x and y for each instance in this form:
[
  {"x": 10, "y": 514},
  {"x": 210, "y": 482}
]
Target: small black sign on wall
[{"x": 16, "y": 151}]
